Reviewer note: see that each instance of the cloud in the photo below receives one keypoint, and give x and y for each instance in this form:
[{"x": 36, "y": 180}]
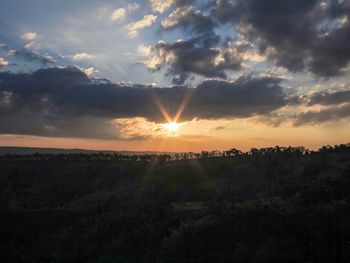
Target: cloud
[
  {"x": 160, "y": 5},
  {"x": 327, "y": 98},
  {"x": 146, "y": 21},
  {"x": 334, "y": 105},
  {"x": 133, "y": 7},
  {"x": 30, "y": 36},
  {"x": 3, "y": 46},
  {"x": 90, "y": 71},
  {"x": 32, "y": 56},
  {"x": 203, "y": 53},
  {"x": 296, "y": 34},
  {"x": 163, "y": 5},
  {"x": 192, "y": 21},
  {"x": 82, "y": 56},
  {"x": 184, "y": 58},
  {"x": 118, "y": 14},
  {"x": 32, "y": 45},
  {"x": 334, "y": 113},
  {"x": 144, "y": 50},
  {"x": 3, "y": 62},
  {"x": 66, "y": 102},
  {"x": 173, "y": 19}
]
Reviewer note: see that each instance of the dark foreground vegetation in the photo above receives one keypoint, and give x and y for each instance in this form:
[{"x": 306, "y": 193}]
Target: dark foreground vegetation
[{"x": 267, "y": 205}]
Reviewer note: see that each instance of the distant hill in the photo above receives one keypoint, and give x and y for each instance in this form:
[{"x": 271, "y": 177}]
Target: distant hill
[{"x": 30, "y": 150}]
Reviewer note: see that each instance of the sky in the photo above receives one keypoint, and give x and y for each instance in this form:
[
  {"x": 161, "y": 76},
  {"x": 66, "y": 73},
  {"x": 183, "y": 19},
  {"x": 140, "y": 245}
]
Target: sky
[{"x": 174, "y": 75}]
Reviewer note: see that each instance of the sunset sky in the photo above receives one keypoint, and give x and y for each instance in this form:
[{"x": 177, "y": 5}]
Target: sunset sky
[{"x": 174, "y": 75}]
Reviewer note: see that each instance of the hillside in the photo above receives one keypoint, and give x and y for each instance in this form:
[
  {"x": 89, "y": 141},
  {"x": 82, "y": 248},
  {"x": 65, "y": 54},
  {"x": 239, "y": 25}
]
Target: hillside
[{"x": 268, "y": 205}]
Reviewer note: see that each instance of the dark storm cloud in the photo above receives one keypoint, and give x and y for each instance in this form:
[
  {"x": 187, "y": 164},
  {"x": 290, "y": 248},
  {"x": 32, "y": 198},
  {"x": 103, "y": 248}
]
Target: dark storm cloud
[
  {"x": 297, "y": 34},
  {"x": 184, "y": 58},
  {"x": 65, "y": 102}
]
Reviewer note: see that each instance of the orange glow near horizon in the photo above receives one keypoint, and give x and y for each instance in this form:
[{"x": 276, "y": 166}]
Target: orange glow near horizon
[{"x": 196, "y": 136}]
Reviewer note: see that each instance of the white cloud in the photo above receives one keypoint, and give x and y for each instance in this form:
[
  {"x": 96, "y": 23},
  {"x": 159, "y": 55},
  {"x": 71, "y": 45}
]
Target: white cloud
[
  {"x": 49, "y": 58},
  {"x": 160, "y": 5},
  {"x": 82, "y": 56},
  {"x": 118, "y": 14},
  {"x": 144, "y": 50},
  {"x": 32, "y": 45},
  {"x": 157, "y": 58},
  {"x": 90, "y": 71},
  {"x": 133, "y": 7},
  {"x": 253, "y": 56},
  {"x": 3, "y": 62},
  {"x": 146, "y": 21},
  {"x": 30, "y": 36},
  {"x": 174, "y": 17}
]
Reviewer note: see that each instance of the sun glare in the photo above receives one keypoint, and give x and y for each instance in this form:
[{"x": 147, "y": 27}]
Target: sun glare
[{"x": 171, "y": 127}]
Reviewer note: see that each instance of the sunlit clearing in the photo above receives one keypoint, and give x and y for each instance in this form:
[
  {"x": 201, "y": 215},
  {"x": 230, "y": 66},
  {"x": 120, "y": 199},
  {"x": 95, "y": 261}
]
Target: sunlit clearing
[{"x": 171, "y": 127}]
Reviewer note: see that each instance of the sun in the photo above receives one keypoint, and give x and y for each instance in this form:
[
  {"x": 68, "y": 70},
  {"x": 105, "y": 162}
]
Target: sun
[{"x": 171, "y": 127}]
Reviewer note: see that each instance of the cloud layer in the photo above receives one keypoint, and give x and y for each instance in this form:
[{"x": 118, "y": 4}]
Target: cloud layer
[{"x": 65, "y": 102}]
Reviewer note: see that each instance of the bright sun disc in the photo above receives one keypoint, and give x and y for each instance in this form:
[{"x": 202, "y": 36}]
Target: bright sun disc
[{"x": 171, "y": 127}]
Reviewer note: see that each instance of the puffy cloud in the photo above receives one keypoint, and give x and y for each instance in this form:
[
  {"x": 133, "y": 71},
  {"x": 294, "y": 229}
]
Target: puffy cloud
[
  {"x": 146, "y": 21},
  {"x": 160, "y": 5},
  {"x": 311, "y": 35},
  {"x": 188, "y": 19},
  {"x": 30, "y": 36},
  {"x": 66, "y": 102},
  {"x": 175, "y": 16},
  {"x": 118, "y": 14},
  {"x": 203, "y": 53},
  {"x": 3, "y": 62},
  {"x": 82, "y": 56},
  {"x": 184, "y": 58},
  {"x": 163, "y": 5}
]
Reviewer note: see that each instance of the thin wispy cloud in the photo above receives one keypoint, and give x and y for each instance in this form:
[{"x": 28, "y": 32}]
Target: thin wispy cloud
[
  {"x": 82, "y": 56},
  {"x": 145, "y": 22},
  {"x": 118, "y": 14}
]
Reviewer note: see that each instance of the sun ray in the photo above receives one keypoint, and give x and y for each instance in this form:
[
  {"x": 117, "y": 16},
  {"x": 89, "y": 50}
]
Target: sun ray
[
  {"x": 161, "y": 107},
  {"x": 188, "y": 95},
  {"x": 172, "y": 126}
]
